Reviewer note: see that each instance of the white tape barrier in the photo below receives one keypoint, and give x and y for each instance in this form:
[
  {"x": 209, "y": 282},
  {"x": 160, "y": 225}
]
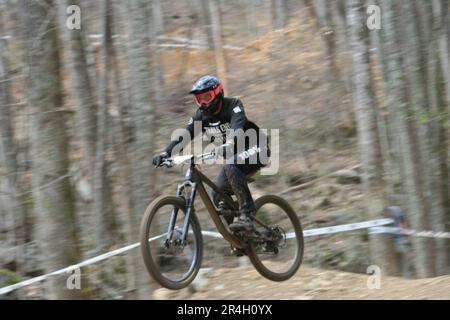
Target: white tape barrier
[
  {"x": 183, "y": 42},
  {"x": 87, "y": 262},
  {"x": 408, "y": 232},
  {"x": 325, "y": 230},
  {"x": 347, "y": 227},
  {"x": 306, "y": 233},
  {"x": 93, "y": 260}
]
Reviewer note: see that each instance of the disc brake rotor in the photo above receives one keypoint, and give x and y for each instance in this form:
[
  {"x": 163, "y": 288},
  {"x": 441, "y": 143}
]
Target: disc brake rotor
[
  {"x": 275, "y": 238},
  {"x": 175, "y": 244}
]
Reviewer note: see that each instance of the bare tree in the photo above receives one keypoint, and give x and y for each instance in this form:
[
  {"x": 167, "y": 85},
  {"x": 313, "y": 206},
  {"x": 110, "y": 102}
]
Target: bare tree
[
  {"x": 83, "y": 85},
  {"x": 122, "y": 136},
  {"x": 218, "y": 44},
  {"x": 279, "y": 13},
  {"x": 51, "y": 182},
  {"x": 444, "y": 42},
  {"x": 438, "y": 143},
  {"x": 100, "y": 185},
  {"x": 8, "y": 156},
  {"x": 322, "y": 13},
  {"x": 251, "y": 12},
  {"x": 142, "y": 118},
  {"x": 156, "y": 30},
  {"x": 444, "y": 49},
  {"x": 158, "y": 17},
  {"x": 91, "y": 117},
  {"x": 368, "y": 135},
  {"x": 406, "y": 140},
  {"x": 206, "y": 14}
]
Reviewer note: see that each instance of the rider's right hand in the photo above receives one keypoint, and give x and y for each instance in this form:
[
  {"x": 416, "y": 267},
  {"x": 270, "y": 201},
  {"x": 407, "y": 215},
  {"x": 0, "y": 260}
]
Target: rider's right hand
[{"x": 159, "y": 158}]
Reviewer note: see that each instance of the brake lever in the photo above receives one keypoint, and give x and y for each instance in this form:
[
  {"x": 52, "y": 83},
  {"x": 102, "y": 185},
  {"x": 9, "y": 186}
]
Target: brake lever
[{"x": 165, "y": 163}]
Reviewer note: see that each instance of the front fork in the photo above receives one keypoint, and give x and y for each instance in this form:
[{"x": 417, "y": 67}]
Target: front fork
[{"x": 174, "y": 215}]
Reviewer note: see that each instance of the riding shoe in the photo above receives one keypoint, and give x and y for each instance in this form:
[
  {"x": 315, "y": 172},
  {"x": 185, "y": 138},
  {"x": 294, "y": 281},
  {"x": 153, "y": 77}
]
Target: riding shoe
[{"x": 243, "y": 223}]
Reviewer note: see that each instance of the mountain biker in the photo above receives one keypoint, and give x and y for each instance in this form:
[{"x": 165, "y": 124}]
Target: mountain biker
[{"x": 219, "y": 116}]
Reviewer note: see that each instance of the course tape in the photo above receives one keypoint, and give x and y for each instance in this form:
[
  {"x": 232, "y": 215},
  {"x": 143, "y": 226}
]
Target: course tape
[
  {"x": 373, "y": 225},
  {"x": 68, "y": 269},
  {"x": 408, "y": 232},
  {"x": 347, "y": 227}
]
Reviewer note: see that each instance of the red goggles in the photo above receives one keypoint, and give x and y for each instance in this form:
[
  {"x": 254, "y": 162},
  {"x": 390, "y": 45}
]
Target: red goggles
[{"x": 208, "y": 96}]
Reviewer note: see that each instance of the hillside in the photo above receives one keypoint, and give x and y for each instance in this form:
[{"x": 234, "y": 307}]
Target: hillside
[{"x": 308, "y": 284}]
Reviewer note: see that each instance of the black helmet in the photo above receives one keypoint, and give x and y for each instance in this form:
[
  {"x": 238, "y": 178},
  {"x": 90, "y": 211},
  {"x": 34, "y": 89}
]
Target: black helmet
[{"x": 208, "y": 92}]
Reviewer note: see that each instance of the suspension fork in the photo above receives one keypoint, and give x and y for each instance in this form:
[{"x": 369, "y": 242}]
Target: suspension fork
[
  {"x": 189, "y": 210},
  {"x": 189, "y": 207},
  {"x": 174, "y": 215}
]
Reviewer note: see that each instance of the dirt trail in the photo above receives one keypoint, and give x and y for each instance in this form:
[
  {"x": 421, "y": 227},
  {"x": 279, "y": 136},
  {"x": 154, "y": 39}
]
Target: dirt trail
[{"x": 309, "y": 283}]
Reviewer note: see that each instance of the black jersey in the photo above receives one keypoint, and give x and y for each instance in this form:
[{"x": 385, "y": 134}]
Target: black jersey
[
  {"x": 231, "y": 116},
  {"x": 216, "y": 127}
]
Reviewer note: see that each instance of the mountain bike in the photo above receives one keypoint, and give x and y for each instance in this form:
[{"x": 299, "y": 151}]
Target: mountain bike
[{"x": 171, "y": 237}]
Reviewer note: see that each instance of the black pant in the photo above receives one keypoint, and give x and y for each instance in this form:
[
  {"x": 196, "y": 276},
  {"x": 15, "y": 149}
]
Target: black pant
[{"x": 232, "y": 179}]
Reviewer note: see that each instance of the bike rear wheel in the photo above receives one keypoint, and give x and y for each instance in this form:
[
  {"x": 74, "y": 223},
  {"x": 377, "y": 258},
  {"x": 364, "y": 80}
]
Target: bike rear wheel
[
  {"x": 277, "y": 250},
  {"x": 172, "y": 264}
]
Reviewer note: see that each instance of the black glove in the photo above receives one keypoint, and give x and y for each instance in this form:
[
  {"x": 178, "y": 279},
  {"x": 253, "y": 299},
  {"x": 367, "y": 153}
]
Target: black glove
[{"x": 159, "y": 158}]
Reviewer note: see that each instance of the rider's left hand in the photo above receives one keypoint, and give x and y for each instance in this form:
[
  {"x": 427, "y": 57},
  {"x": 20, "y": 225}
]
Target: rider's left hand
[{"x": 159, "y": 158}]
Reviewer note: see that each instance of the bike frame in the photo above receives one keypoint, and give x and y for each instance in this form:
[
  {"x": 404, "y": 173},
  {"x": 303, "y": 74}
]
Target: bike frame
[{"x": 196, "y": 180}]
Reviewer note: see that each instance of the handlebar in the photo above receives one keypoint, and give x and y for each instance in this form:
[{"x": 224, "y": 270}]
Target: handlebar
[{"x": 170, "y": 162}]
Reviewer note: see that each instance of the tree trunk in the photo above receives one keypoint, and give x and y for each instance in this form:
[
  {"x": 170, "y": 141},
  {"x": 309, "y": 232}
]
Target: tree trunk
[
  {"x": 444, "y": 49},
  {"x": 416, "y": 70},
  {"x": 155, "y": 30},
  {"x": 142, "y": 117},
  {"x": 279, "y": 13},
  {"x": 437, "y": 139},
  {"x": 207, "y": 22},
  {"x": 100, "y": 186},
  {"x": 338, "y": 6},
  {"x": 7, "y": 152},
  {"x": 218, "y": 44},
  {"x": 444, "y": 45},
  {"x": 252, "y": 22},
  {"x": 389, "y": 146},
  {"x": 157, "y": 17},
  {"x": 335, "y": 88},
  {"x": 8, "y": 157},
  {"x": 312, "y": 12},
  {"x": 125, "y": 172},
  {"x": 122, "y": 134},
  {"x": 51, "y": 183},
  {"x": 368, "y": 135},
  {"x": 82, "y": 83},
  {"x": 407, "y": 142}
]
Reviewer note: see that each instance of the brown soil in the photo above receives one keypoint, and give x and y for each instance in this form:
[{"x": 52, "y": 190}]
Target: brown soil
[{"x": 309, "y": 283}]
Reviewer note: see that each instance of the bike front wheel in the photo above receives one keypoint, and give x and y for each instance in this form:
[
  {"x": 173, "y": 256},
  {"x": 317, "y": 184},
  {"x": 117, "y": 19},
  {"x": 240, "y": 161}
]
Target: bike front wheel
[
  {"x": 172, "y": 262},
  {"x": 277, "y": 250}
]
